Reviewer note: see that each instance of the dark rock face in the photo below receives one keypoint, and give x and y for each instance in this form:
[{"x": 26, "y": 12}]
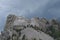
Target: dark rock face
[
  {"x": 9, "y": 22},
  {"x": 16, "y": 27}
]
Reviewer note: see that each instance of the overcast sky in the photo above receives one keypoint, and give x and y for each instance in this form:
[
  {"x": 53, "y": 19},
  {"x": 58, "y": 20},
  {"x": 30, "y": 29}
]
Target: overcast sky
[{"x": 29, "y": 8}]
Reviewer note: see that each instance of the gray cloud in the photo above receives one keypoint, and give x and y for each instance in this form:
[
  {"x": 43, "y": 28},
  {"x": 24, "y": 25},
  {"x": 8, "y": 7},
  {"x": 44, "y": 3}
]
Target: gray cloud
[{"x": 22, "y": 6}]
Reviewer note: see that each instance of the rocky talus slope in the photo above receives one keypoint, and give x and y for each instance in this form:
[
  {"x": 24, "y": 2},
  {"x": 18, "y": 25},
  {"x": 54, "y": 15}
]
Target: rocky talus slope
[{"x": 21, "y": 28}]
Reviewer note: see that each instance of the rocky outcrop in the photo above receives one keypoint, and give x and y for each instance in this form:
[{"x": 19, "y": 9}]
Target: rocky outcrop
[
  {"x": 21, "y": 28},
  {"x": 32, "y": 34}
]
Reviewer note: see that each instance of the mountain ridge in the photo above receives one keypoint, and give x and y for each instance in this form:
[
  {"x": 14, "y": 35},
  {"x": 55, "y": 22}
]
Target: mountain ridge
[{"x": 15, "y": 25}]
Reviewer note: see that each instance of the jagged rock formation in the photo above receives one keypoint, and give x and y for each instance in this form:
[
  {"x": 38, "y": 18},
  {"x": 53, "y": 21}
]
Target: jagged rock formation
[{"x": 21, "y": 28}]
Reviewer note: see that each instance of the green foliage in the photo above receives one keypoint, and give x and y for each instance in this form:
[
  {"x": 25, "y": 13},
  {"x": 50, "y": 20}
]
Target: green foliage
[
  {"x": 23, "y": 37},
  {"x": 54, "y": 33},
  {"x": 57, "y": 34}
]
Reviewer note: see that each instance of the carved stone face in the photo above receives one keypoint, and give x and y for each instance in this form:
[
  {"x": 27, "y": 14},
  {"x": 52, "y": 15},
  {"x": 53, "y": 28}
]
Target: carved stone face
[{"x": 21, "y": 21}]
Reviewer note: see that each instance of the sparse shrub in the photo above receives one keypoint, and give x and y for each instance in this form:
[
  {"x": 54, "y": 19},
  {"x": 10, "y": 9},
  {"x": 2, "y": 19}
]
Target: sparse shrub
[{"x": 23, "y": 37}]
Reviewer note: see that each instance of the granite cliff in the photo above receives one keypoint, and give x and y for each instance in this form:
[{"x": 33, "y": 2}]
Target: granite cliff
[{"x": 21, "y": 28}]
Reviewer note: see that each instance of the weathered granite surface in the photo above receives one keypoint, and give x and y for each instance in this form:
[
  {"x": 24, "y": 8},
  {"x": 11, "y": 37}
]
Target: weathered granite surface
[{"x": 21, "y": 28}]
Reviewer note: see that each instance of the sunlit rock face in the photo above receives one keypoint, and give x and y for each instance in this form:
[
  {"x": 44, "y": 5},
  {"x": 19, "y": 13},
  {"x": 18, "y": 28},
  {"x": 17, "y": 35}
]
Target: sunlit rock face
[
  {"x": 39, "y": 22},
  {"x": 35, "y": 21},
  {"x": 13, "y": 20},
  {"x": 31, "y": 34},
  {"x": 21, "y": 21},
  {"x": 21, "y": 28}
]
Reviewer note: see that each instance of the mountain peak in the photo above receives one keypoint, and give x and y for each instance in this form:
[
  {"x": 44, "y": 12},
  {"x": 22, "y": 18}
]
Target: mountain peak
[{"x": 22, "y": 28}]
